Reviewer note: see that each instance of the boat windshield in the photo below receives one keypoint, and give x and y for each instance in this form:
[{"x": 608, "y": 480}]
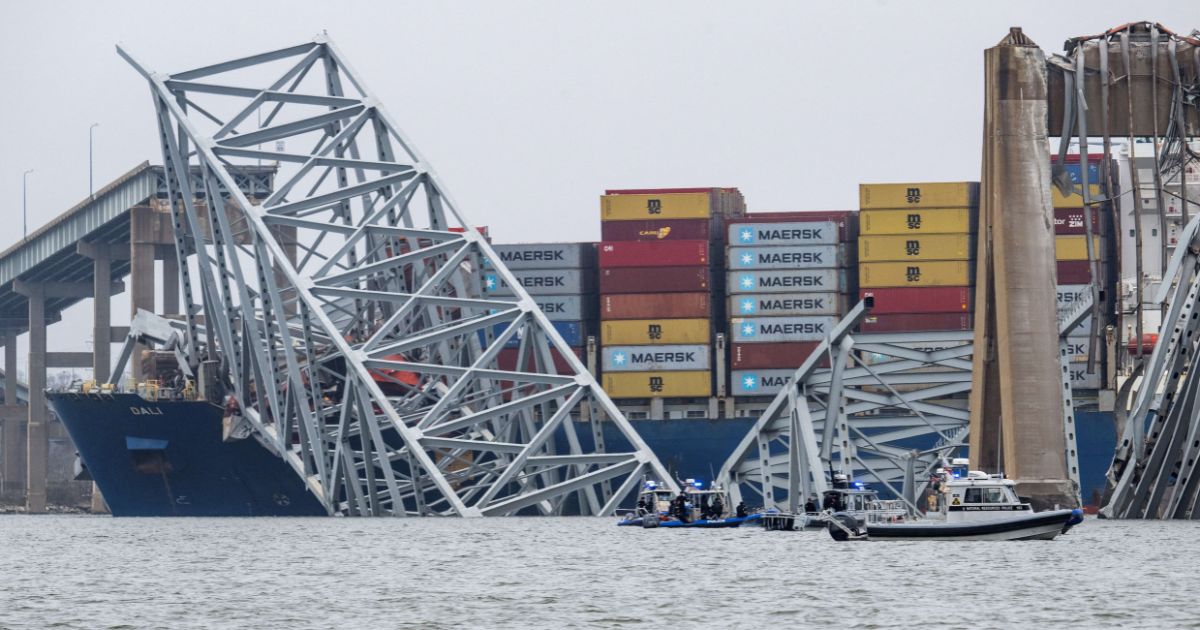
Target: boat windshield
[{"x": 986, "y": 495}]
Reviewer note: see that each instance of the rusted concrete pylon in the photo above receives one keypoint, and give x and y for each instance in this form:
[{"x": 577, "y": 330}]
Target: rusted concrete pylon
[{"x": 1016, "y": 399}]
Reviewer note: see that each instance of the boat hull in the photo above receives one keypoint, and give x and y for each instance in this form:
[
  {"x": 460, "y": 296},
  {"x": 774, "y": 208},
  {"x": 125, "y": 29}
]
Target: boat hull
[
  {"x": 721, "y": 523},
  {"x": 1037, "y": 526},
  {"x": 167, "y": 458}
]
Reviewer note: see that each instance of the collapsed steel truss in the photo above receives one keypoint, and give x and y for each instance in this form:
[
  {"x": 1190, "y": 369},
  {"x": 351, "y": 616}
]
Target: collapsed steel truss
[
  {"x": 1156, "y": 471},
  {"x": 1141, "y": 83},
  {"x": 349, "y": 315},
  {"x": 887, "y": 410}
]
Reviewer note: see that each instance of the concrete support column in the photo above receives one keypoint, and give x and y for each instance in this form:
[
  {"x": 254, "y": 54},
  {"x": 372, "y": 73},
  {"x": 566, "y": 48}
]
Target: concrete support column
[
  {"x": 142, "y": 252},
  {"x": 170, "y": 280},
  {"x": 102, "y": 318},
  {"x": 12, "y": 474},
  {"x": 39, "y": 445}
]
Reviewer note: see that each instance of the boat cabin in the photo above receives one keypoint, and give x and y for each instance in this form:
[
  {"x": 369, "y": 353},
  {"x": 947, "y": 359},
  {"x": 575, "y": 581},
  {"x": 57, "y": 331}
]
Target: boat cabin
[
  {"x": 705, "y": 504},
  {"x": 963, "y": 494},
  {"x": 860, "y": 501}
]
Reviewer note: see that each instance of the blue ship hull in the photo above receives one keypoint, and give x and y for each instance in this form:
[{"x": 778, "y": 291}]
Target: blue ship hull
[{"x": 167, "y": 458}]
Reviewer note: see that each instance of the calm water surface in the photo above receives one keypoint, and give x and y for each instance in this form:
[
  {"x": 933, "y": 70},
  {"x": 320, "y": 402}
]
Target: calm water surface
[{"x": 99, "y": 572}]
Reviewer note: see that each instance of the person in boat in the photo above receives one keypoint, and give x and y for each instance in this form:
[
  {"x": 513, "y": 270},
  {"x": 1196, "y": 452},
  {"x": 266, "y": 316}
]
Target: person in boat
[
  {"x": 742, "y": 510},
  {"x": 642, "y": 509},
  {"x": 810, "y": 506},
  {"x": 717, "y": 509},
  {"x": 679, "y": 507}
]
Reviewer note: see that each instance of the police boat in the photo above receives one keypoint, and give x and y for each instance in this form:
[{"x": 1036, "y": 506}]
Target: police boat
[
  {"x": 964, "y": 505},
  {"x": 694, "y": 507},
  {"x": 853, "y": 498}
]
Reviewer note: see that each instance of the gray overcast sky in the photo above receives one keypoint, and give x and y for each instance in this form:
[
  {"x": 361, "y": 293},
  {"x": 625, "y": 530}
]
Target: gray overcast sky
[{"x": 528, "y": 110}]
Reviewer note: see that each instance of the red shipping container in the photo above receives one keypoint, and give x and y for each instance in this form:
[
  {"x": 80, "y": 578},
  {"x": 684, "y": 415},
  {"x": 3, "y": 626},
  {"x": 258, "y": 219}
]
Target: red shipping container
[
  {"x": 1070, "y": 221},
  {"x": 656, "y": 306},
  {"x": 921, "y": 300},
  {"x": 651, "y": 254},
  {"x": 914, "y": 322},
  {"x": 659, "y": 230},
  {"x": 847, "y": 220},
  {"x": 761, "y": 356},
  {"x": 655, "y": 280},
  {"x": 507, "y": 359},
  {"x": 1074, "y": 272}
]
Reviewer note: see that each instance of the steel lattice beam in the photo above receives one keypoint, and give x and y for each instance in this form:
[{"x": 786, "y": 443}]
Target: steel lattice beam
[
  {"x": 1154, "y": 473},
  {"x": 861, "y": 416},
  {"x": 347, "y": 311}
]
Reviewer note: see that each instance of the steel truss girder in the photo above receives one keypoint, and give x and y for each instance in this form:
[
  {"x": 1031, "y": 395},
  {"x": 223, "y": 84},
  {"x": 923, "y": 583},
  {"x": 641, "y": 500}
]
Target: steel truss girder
[
  {"x": 1154, "y": 473},
  {"x": 348, "y": 314},
  {"x": 860, "y": 417}
]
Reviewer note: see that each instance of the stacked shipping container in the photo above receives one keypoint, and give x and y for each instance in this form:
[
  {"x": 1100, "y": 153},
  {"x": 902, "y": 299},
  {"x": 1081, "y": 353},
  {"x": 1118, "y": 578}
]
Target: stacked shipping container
[
  {"x": 916, "y": 254},
  {"x": 787, "y": 288},
  {"x": 1074, "y": 270},
  {"x": 658, "y": 274},
  {"x": 561, "y": 278}
]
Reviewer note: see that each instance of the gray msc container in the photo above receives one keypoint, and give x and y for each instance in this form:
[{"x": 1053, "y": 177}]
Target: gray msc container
[
  {"x": 798, "y": 233},
  {"x": 543, "y": 281},
  {"x": 788, "y": 257},
  {"x": 787, "y": 304},
  {"x": 547, "y": 255},
  {"x": 787, "y": 281},
  {"x": 780, "y": 329},
  {"x": 656, "y": 358}
]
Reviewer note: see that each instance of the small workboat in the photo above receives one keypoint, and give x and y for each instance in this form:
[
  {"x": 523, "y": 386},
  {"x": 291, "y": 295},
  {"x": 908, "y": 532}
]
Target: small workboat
[
  {"x": 699, "y": 508},
  {"x": 852, "y": 498},
  {"x": 970, "y": 505}
]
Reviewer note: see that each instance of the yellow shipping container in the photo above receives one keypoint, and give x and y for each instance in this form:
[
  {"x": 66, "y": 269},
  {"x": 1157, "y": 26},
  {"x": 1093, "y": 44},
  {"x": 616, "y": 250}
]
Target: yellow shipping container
[
  {"x": 1075, "y": 247},
  {"x": 918, "y": 195},
  {"x": 951, "y": 273},
  {"x": 658, "y": 206},
  {"x": 653, "y": 332},
  {"x": 658, "y": 384},
  {"x": 1073, "y": 200},
  {"x": 915, "y": 247},
  {"x": 916, "y": 221}
]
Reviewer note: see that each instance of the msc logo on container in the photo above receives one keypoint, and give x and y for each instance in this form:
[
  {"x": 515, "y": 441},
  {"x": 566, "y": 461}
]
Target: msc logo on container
[
  {"x": 654, "y": 331},
  {"x": 656, "y": 384},
  {"x": 913, "y": 195},
  {"x": 912, "y": 248},
  {"x": 913, "y": 221},
  {"x": 654, "y": 206},
  {"x": 912, "y": 274}
]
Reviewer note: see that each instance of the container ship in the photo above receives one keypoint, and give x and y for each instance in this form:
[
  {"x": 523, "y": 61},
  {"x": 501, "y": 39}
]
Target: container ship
[{"x": 691, "y": 312}]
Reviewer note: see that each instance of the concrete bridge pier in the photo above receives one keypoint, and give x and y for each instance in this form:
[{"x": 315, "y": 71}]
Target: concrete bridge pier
[{"x": 12, "y": 421}]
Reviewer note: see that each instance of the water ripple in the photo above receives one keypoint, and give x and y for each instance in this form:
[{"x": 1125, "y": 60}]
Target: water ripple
[{"x": 92, "y": 572}]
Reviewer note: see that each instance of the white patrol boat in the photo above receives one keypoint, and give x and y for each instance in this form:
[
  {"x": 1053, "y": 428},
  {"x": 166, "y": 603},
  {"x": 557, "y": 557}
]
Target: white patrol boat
[{"x": 970, "y": 505}]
